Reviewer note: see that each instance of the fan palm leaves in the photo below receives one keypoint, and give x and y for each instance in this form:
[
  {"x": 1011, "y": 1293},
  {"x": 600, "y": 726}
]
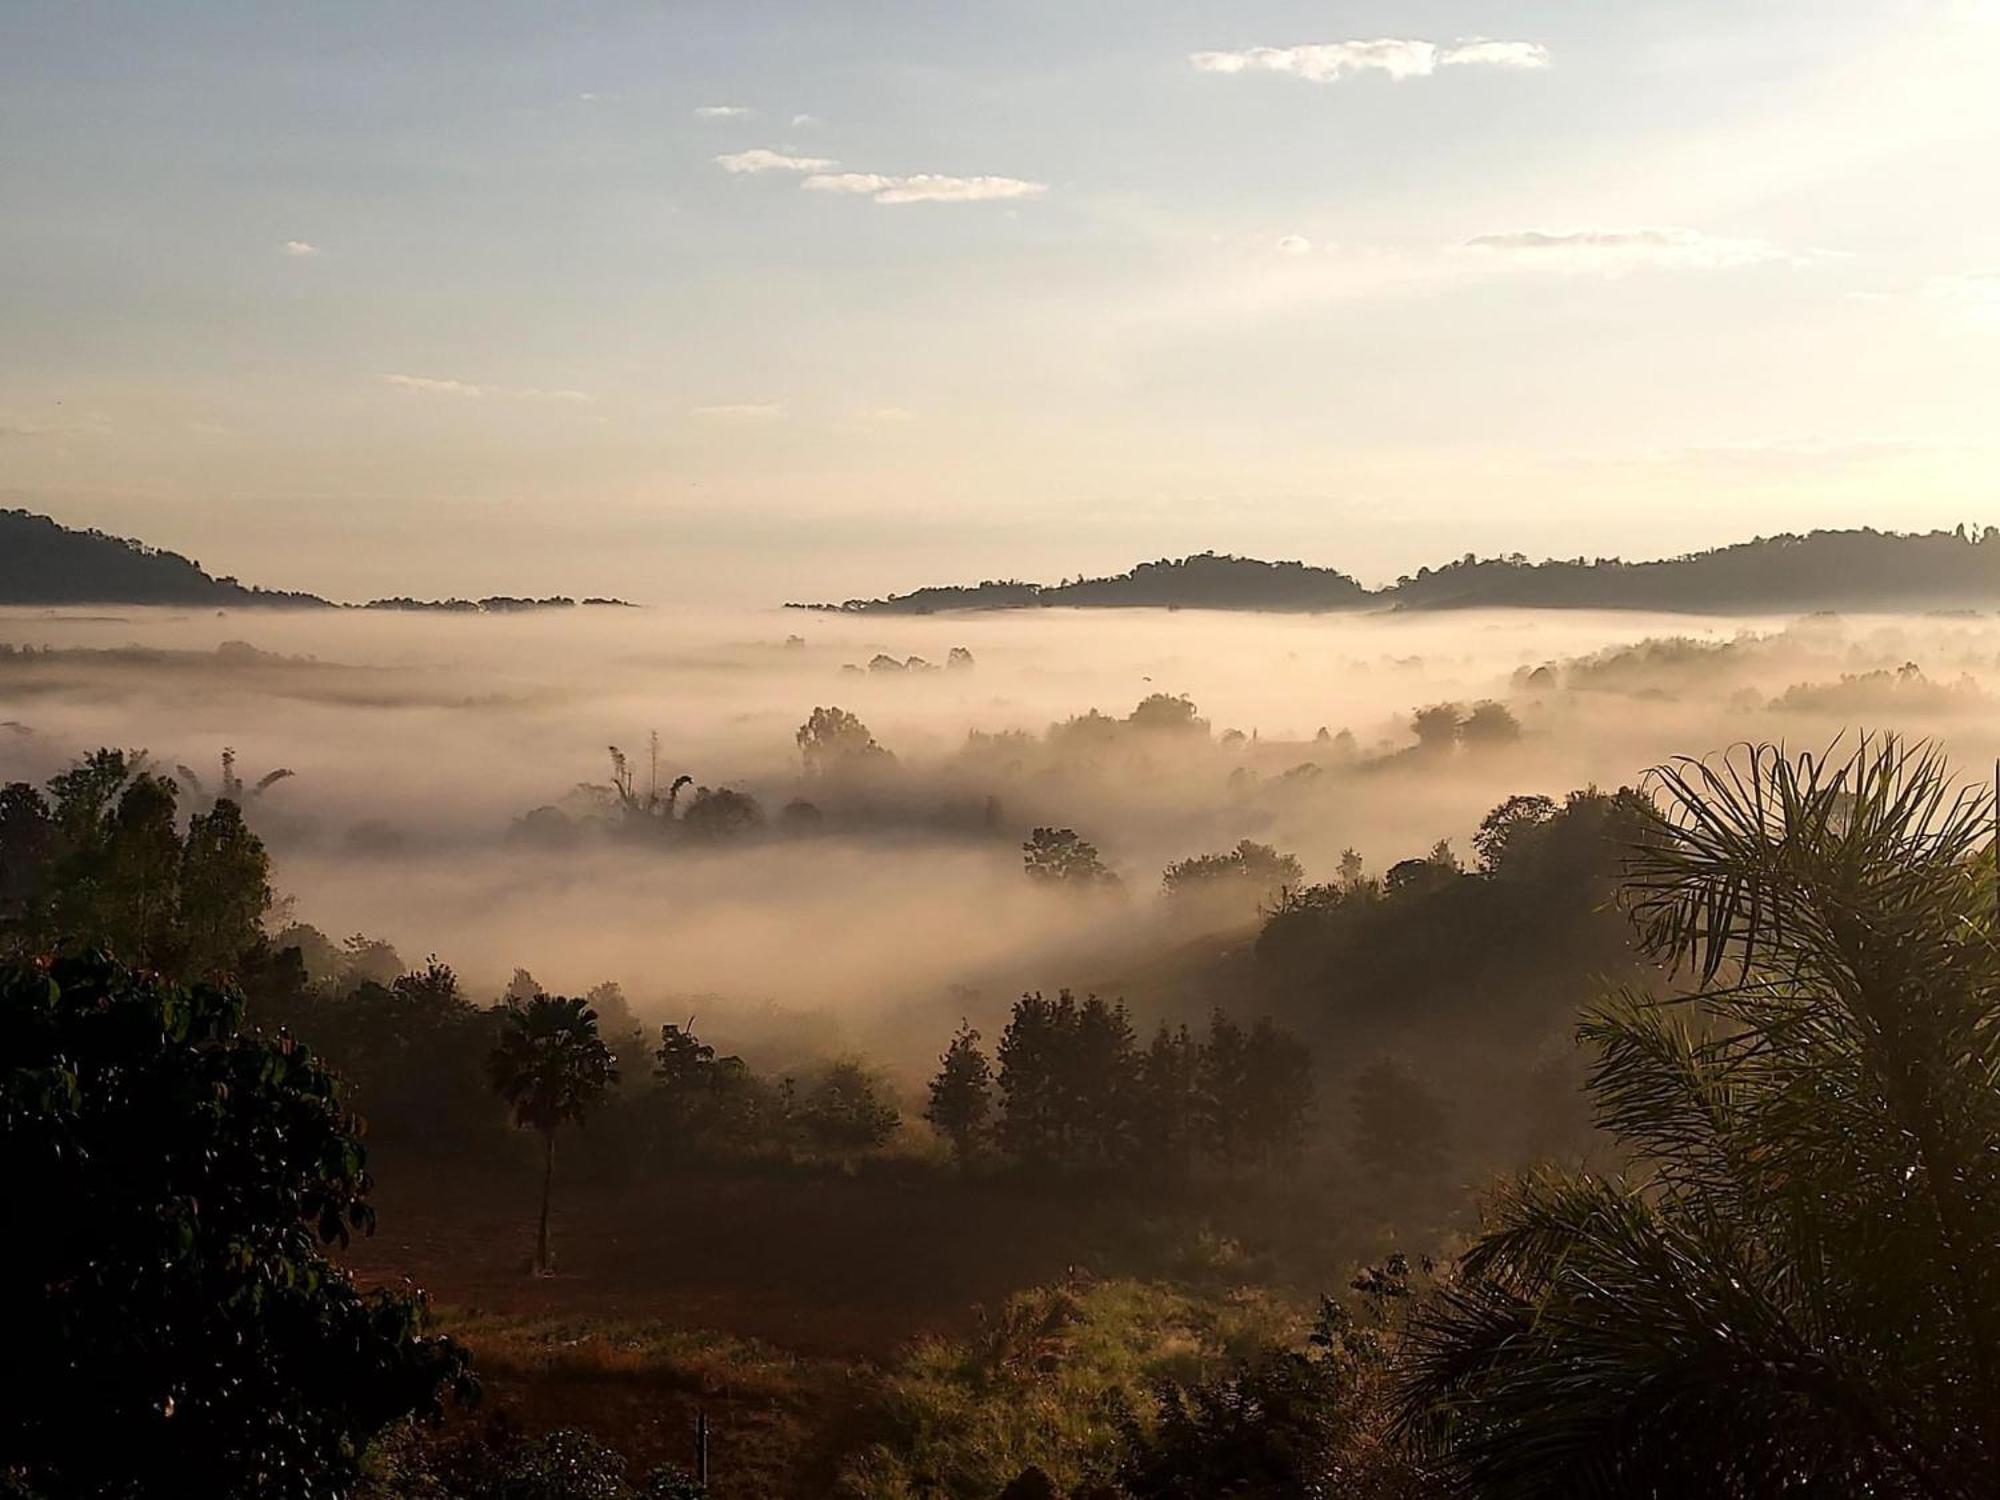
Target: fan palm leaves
[
  {"x": 231, "y": 787},
  {"x": 551, "y": 1067},
  {"x": 1795, "y": 1287}
]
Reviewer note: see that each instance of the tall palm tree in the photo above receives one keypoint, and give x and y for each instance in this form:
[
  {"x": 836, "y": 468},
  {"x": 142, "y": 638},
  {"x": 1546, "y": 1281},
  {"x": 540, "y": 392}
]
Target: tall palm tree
[
  {"x": 551, "y": 1066},
  {"x": 1794, "y": 1288}
]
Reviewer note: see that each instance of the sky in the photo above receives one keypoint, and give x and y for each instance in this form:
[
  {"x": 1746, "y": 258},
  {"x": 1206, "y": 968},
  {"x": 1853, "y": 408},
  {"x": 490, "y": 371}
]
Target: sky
[{"x": 755, "y": 301}]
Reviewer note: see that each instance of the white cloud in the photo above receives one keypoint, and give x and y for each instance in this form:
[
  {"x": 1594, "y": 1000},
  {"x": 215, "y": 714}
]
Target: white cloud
[
  {"x": 757, "y": 159},
  {"x": 299, "y": 248},
  {"x": 1294, "y": 244},
  {"x": 1481, "y": 53},
  {"x": 1615, "y": 250},
  {"x": 432, "y": 386},
  {"x": 738, "y": 411},
  {"x": 1977, "y": 292},
  {"x": 1399, "y": 57},
  {"x": 723, "y": 112},
  {"x": 924, "y": 187},
  {"x": 806, "y": 121}
]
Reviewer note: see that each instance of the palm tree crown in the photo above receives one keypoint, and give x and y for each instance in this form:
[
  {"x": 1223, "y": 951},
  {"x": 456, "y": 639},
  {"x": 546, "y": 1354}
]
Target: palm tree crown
[
  {"x": 550, "y": 1064},
  {"x": 1794, "y": 1287}
]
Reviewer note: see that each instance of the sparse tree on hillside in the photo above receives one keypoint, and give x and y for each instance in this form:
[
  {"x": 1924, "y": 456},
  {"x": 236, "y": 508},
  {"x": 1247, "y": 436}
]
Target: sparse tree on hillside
[
  {"x": 961, "y": 1096},
  {"x": 1252, "y": 873},
  {"x": 551, "y": 1067}
]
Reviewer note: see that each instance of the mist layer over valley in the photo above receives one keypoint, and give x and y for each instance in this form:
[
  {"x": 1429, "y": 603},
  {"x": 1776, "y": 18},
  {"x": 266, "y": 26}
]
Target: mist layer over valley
[{"x": 443, "y": 795}]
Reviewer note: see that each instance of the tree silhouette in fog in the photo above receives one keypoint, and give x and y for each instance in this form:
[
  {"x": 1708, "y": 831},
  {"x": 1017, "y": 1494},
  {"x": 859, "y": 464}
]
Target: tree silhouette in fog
[
  {"x": 834, "y": 742},
  {"x": 230, "y": 786},
  {"x": 173, "y": 1323},
  {"x": 961, "y": 1095},
  {"x": 1062, "y": 856},
  {"x": 102, "y": 862},
  {"x": 551, "y": 1067}
]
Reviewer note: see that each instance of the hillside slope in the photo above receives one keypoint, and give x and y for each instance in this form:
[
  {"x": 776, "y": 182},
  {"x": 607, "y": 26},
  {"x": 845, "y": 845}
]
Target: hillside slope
[{"x": 42, "y": 562}]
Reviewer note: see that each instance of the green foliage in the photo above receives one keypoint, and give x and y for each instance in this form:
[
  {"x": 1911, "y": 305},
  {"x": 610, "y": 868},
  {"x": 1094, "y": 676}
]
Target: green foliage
[
  {"x": 552, "y": 1068},
  {"x": 1069, "y": 1076},
  {"x": 1507, "y": 955},
  {"x": 549, "y": 1064},
  {"x": 102, "y": 863},
  {"x": 1062, "y": 857},
  {"x": 1050, "y": 1379},
  {"x": 1078, "y": 1096},
  {"x": 847, "y": 1112},
  {"x": 179, "y": 1327},
  {"x": 1793, "y": 1290},
  {"x": 961, "y": 1095},
  {"x": 1248, "y": 875},
  {"x": 1284, "y": 1422},
  {"x": 1173, "y": 713},
  {"x": 500, "y": 1462},
  {"x": 1255, "y": 1090}
]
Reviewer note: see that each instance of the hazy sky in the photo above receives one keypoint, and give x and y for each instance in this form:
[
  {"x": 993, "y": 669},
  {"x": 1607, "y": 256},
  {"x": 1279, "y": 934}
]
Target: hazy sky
[{"x": 761, "y": 300}]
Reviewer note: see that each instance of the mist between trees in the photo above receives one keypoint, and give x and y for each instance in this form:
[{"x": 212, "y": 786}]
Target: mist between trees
[{"x": 1186, "y": 1017}]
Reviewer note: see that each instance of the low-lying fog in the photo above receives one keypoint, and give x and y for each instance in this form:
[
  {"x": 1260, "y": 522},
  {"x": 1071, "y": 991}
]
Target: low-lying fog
[{"x": 419, "y": 742}]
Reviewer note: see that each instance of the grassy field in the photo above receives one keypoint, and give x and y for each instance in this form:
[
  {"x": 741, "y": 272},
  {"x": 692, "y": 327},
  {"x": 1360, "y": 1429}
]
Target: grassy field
[{"x": 828, "y": 1327}]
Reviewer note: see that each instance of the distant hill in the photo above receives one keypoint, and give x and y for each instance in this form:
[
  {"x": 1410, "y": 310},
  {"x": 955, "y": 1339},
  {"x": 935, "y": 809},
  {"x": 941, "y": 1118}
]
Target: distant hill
[
  {"x": 45, "y": 562},
  {"x": 42, "y": 562},
  {"x": 1852, "y": 570},
  {"x": 1205, "y": 581}
]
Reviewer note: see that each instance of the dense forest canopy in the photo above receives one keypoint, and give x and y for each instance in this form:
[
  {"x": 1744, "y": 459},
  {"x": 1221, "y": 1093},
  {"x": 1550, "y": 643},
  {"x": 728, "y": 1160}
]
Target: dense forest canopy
[{"x": 1863, "y": 569}]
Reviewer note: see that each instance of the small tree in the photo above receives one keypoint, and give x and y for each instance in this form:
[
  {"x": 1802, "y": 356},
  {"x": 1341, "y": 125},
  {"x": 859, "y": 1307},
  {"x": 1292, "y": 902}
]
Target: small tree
[
  {"x": 961, "y": 1103},
  {"x": 833, "y": 741},
  {"x": 1489, "y": 726},
  {"x": 1436, "y": 727},
  {"x": 1174, "y": 713},
  {"x": 551, "y": 1067},
  {"x": 1060, "y": 856},
  {"x": 1246, "y": 876},
  {"x": 846, "y": 1111}
]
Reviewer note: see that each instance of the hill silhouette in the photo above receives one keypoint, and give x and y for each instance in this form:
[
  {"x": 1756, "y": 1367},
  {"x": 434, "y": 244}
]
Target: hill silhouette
[
  {"x": 43, "y": 562},
  {"x": 1853, "y": 570}
]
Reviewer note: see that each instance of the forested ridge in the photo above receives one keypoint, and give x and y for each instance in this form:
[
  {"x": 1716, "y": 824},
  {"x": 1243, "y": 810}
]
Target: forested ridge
[{"x": 1857, "y": 570}]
